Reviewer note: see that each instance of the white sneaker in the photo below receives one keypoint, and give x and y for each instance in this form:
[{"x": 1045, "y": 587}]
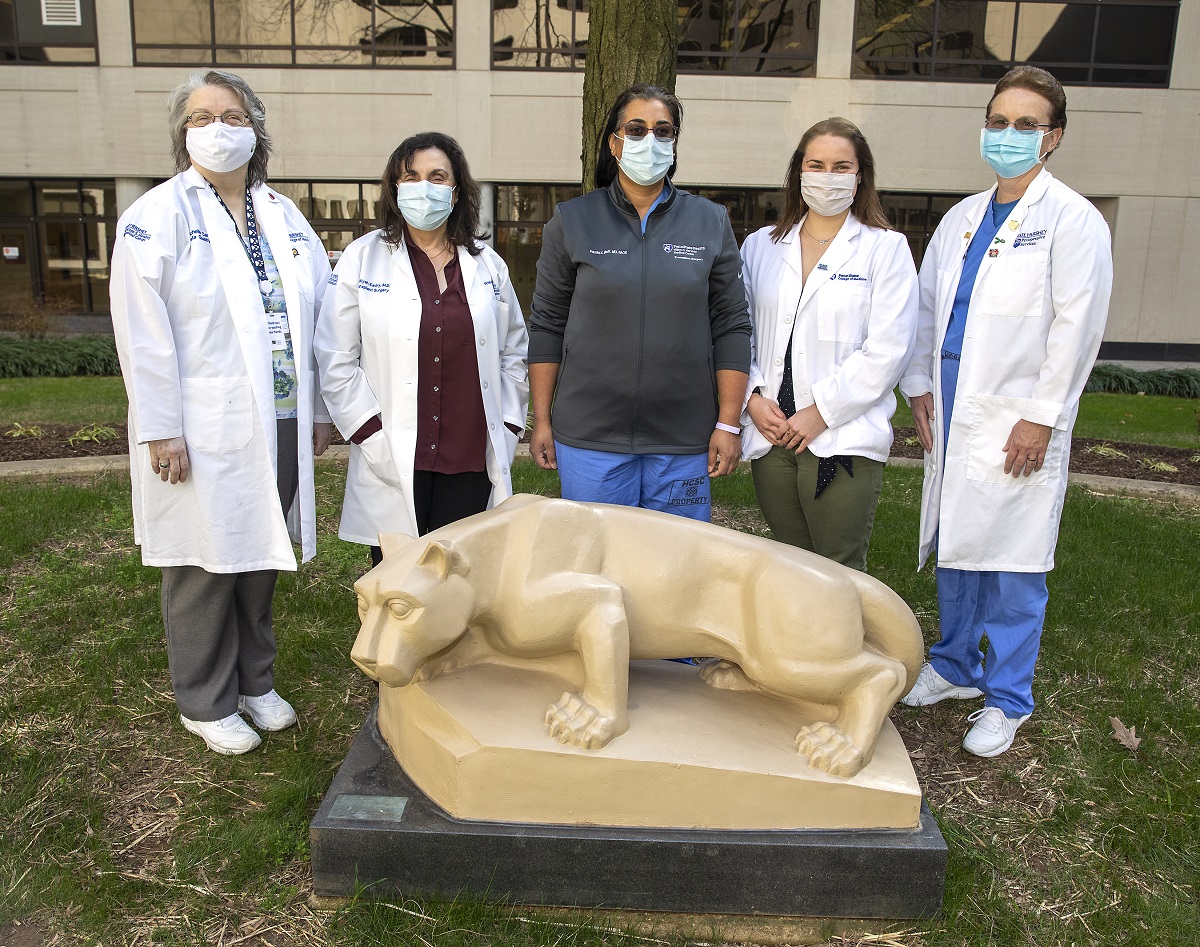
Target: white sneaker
[
  {"x": 270, "y": 711},
  {"x": 932, "y": 687},
  {"x": 230, "y": 735},
  {"x": 993, "y": 732}
]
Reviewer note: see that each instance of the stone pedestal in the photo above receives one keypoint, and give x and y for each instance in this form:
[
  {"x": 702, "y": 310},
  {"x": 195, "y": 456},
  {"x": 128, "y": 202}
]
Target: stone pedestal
[{"x": 376, "y": 830}]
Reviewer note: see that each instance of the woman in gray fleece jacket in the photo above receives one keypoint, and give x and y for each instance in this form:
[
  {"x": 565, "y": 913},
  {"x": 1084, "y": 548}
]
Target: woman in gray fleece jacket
[{"x": 639, "y": 337}]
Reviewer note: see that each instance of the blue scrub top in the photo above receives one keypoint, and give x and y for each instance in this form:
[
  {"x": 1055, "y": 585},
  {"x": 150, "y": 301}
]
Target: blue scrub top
[{"x": 980, "y": 244}]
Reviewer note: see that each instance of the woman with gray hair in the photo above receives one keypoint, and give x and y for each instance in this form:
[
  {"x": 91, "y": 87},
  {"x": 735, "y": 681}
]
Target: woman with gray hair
[{"x": 216, "y": 282}]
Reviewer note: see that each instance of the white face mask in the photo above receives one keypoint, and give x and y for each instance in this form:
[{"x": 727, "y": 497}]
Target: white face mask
[
  {"x": 219, "y": 147},
  {"x": 647, "y": 160},
  {"x": 425, "y": 205},
  {"x": 828, "y": 194}
]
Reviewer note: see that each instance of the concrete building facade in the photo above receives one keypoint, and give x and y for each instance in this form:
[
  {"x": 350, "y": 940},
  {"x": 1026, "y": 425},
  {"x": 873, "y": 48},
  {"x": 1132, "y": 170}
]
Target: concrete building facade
[{"x": 83, "y": 131}]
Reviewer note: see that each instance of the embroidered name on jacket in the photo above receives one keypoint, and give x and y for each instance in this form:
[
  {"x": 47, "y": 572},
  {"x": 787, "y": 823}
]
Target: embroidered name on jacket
[
  {"x": 609, "y": 252},
  {"x": 368, "y": 287},
  {"x": 332, "y": 281},
  {"x": 495, "y": 288},
  {"x": 1028, "y": 239},
  {"x": 298, "y": 237},
  {"x": 681, "y": 251},
  {"x": 132, "y": 230},
  {"x": 198, "y": 235}
]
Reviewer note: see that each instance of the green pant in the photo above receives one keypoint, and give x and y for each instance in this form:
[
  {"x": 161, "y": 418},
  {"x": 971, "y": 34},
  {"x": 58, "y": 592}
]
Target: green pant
[{"x": 836, "y": 526}]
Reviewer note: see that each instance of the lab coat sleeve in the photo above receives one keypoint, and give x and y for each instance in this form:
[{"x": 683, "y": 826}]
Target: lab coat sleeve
[
  {"x": 757, "y": 379},
  {"x": 150, "y": 238},
  {"x": 918, "y": 376},
  {"x": 514, "y": 351},
  {"x": 868, "y": 374},
  {"x": 1080, "y": 287},
  {"x": 551, "y": 295},
  {"x": 321, "y": 273},
  {"x": 338, "y": 346},
  {"x": 727, "y": 311}
]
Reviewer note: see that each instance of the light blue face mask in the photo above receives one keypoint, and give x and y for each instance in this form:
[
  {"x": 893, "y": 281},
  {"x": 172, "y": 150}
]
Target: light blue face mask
[
  {"x": 425, "y": 205},
  {"x": 1011, "y": 153}
]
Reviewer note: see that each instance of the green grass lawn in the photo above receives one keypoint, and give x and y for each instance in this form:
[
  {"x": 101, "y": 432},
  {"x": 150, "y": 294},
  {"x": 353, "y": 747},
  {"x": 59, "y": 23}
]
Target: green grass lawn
[
  {"x": 62, "y": 401},
  {"x": 116, "y": 826},
  {"x": 1169, "y": 422},
  {"x": 1139, "y": 419}
]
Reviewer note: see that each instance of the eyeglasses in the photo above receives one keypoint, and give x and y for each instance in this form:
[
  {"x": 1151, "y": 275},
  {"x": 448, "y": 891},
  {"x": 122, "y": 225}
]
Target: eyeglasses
[
  {"x": 1021, "y": 125},
  {"x": 636, "y": 131},
  {"x": 234, "y": 118}
]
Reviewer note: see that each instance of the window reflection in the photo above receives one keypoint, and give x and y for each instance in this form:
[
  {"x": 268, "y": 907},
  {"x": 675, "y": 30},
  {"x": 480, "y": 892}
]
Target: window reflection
[
  {"x": 1079, "y": 41},
  {"x": 295, "y": 32}
]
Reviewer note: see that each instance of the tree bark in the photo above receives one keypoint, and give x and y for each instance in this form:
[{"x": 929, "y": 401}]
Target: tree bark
[{"x": 628, "y": 41}]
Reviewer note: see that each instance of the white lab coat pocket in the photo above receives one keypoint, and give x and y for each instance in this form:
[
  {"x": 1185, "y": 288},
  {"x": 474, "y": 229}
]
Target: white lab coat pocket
[
  {"x": 218, "y": 413},
  {"x": 1014, "y": 285},
  {"x": 378, "y": 464},
  {"x": 843, "y": 309},
  {"x": 991, "y": 420}
]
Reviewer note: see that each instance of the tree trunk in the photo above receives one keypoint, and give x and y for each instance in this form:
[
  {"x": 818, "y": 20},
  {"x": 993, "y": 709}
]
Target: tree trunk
[{"x": 628, "y": 41}]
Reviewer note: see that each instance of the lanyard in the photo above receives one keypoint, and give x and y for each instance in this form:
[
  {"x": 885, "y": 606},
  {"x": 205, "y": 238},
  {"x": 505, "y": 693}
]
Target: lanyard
[{"x": 251, "y": 244}]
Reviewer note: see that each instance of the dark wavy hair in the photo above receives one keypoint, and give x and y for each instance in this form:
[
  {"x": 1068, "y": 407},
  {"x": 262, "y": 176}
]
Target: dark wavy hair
[
  {"x": 177, "y": 101},
  {"x": 462, "y": 228},
  {"x": 867, "y": 206},
  {"x": 606, "y": 162}
]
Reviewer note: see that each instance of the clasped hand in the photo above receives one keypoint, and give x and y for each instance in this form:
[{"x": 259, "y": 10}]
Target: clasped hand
[{"x": 795, "y": 433}]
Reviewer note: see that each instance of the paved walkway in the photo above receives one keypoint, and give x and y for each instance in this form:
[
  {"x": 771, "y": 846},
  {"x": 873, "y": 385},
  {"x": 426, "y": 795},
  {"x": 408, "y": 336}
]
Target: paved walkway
[{"x": 81, "y": 467}]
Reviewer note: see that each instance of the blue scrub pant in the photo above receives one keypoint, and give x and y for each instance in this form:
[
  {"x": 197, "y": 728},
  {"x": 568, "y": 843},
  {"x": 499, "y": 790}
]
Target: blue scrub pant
[
  {"x": 671, "y": 483},
  {"x": 1009, "y": 607}
]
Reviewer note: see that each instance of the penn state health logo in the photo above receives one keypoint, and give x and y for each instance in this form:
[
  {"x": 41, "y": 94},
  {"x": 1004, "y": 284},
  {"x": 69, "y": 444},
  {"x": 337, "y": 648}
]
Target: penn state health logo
[{"x": 668, "y": 247}]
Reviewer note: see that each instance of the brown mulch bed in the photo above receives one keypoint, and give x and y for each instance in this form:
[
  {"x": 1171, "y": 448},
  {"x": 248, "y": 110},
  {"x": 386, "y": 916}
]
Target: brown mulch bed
[
  {"x": 1135, "y": 466},
  {"x": 53, "y": 443}
]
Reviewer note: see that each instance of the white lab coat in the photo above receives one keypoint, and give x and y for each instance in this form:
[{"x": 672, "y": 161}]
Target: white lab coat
[
  {"x": 367, "y": 349},
  {"x": 192, "y": 337},
  {"x": 852, "y": 327},
  {"x": 1034, "y": 326}
]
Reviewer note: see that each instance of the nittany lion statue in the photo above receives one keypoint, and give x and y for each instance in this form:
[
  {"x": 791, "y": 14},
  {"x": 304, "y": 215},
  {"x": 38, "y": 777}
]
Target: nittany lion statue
[{"x": 538, "y": 577}]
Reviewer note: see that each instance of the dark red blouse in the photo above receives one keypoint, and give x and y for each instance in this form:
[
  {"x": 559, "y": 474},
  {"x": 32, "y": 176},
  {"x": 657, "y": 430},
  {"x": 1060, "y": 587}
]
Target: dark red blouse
[{"x": 451, "y": 426}]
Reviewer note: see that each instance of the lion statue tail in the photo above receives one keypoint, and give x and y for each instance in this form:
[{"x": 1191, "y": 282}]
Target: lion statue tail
[{"x": 889, "y": 625}]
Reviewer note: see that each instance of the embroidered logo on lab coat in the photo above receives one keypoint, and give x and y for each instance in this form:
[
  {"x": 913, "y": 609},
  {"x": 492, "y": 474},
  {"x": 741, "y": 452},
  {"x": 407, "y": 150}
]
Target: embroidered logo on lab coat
[
  {"x": 193, "y": 235},
  {"x": 298, "y": 237},
  {"x": 1029, "y": 239},
  {"x": 137, "y": 233},
  {"x": 368, "y": 287},
  {"x": 332, "y": 281}
]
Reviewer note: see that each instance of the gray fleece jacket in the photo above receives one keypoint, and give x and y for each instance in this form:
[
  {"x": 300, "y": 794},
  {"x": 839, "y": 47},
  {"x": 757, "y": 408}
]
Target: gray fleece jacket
[{"x": 639, "y": 324}]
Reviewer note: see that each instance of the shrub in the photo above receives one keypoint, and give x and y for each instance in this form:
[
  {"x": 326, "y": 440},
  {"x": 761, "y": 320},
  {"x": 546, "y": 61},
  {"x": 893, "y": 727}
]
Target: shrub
[
  {"x": 1110, "y": 378},
  {"x": 63, "y": 356}
]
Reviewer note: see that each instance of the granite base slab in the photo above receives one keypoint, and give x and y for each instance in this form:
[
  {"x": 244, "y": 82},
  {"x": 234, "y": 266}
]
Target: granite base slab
[{"x": 376, "y": 831}]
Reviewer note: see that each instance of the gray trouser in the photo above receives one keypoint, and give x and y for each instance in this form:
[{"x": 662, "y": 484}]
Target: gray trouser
[{"x": 220, "y": 641}]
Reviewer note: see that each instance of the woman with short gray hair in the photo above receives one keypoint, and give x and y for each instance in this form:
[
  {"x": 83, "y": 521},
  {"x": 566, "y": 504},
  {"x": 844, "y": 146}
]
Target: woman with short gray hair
[{"x": 216, "y": 280}]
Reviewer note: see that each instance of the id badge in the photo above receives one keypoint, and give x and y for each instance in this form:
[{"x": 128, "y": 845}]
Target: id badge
[{"x": 277, "y": 330}]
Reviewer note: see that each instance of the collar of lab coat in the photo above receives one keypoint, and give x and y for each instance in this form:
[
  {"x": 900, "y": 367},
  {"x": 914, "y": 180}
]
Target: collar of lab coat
[{"x": 838, "y": 252}]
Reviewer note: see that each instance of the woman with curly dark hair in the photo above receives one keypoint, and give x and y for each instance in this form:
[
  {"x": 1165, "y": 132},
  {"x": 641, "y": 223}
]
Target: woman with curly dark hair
[{"x": 422, "y": 353}]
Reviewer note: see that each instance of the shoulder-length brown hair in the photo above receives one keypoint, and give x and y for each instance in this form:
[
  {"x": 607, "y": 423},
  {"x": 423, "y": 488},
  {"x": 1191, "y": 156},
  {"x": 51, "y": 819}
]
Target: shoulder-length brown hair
[
  {"x": 462, "y": 227},
  {"x": 867, "y": 206},
  {"x": 177, "y": 101}
]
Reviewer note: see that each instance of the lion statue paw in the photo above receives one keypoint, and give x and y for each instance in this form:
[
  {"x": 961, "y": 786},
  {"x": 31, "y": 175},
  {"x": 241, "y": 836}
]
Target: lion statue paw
[
  {"x": 575, "y": 722},
  {"x": 829, "y": 749}
]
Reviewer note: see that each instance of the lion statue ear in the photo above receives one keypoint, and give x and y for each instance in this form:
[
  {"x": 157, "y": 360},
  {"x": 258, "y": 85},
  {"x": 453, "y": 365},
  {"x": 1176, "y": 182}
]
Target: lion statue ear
[
  {"x": 392, "y": 543},
  {"x": 443, "y": 559}
]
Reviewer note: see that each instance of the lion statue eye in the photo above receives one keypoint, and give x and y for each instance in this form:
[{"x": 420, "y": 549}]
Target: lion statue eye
[{"x": 400, "y": 608}]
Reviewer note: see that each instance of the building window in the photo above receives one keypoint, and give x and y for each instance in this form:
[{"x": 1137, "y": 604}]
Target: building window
[
  {"x": 57, "y": 240},
  {"x": 917, "y": 216},
  {"x": 344, "y": 33},
  {"x": 339, "y": 211},
  {"x": 48, "y": 32},
  {"x": 1082, "y": 42},
  {"x": 748, "y": 37}
]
